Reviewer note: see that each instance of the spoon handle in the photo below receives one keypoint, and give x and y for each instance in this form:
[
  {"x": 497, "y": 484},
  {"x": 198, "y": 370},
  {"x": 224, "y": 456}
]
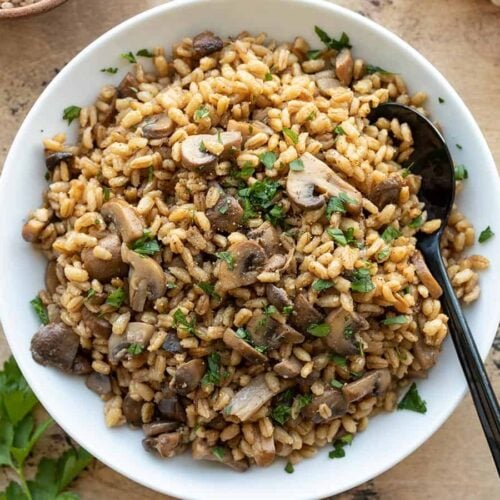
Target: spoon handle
[{"x": 475, "y": 373}]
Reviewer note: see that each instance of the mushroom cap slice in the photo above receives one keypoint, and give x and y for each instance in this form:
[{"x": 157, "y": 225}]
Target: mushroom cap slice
[
  {"x": 344, "y": 66},
  {"x": 128, "y": 86},
  {"x": 155, "y": 428},
  {"x": 267, "y": 236},
  {"x": 304, "y": 314},
  {"x": 244, "y": 348},
  {"x": 373, "y": 383},
  {"x": 206, "y": 43},
  {"x": 425, "y": 275},
  {"x": 52, "y": 160},
  {"x": 248, "y": 260},
  {"x": 98, "y": 327},
  {"x": 277, "y": 297},
  {"x": 99, "y": 383},
  {"x": 317, "y": 177},
  {"x": 387, "y": 191},
  {"x": 157, "y": 126},
  {"x": 333, "y": 399},
  {"x": 138, "y": 332},
  {"x": 146, "y": 279},
  {"x": 104, "y": 270},
  {"x": 426, "y": 355},
  {"x": 188, "y": 376},
  {"x": 125, "y": 218},
  {"x": 166, "y": 445},
  {"x": 337, "y": 340},
  {"x": 288, "y": 368},
  {"x": 226, "y": 215},
  {"x": 193, "y": 154}
]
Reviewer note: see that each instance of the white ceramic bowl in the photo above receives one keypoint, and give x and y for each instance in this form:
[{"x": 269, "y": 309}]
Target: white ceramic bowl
[{"x": 389, "y": 438}]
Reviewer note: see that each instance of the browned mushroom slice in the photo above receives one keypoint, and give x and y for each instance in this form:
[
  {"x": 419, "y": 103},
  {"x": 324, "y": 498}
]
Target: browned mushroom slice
[
  {"x": 125, "y": 218},
  {"x": 250, "y": 398},
  {"x": 98, "y": 327},
  {"x": 289, "y": 334},
  {"x": 263, "y": 450},
  {"x": 248, "y": 259},
  {"x": 166, "y": 445},
  {"x": 425, "y": 275},
  {"x": 32, "y": 230},
  {"x": 244, "y": 348},
  {"x": 304, "y": 314},
  {"x": 308, "y": 187},
  {"x": 188, "y": 376},
  {"x": 132, "y": 410},
  {"x": 277, "y": 297},
  {"x": 426, "y": 355},
  {"x": 334, "y": 400},
  {"x": 172, "y": 343},
  {"x": 157, "y": 126},
  {"x": 194, "y": 154},
  {"x": 104, "y": 270},
  {"x": 146, "y": 279},
  {"x": 343, "y": 329},
  {"x": 140, "y": 333},
  {"x": 128, "y": 87},
  {"x": 267, "y": 237},
  {"x": 373, "y": 383},
  {"x": 326, "y": 82},
  {"x": 171, "y": 408},
  {"x": 264, "y": 331},
  {"x": 54, "y": 159},
  {"x": 226, "y": 215},
  {"x": 99, "y": 383},
  {"x": 288, "y": 368},
  {"x": 206, "y": 43},
  {"x": 56, "y": 345},
  {"x": 154, "y": 428},
  {"x": 117, "y": 348},
  {"x": 51, "y": 279},
  {"x": 201, "y": 451},
  {"x": 344, "y": 66},
  {"x": 387, "y": 191}
]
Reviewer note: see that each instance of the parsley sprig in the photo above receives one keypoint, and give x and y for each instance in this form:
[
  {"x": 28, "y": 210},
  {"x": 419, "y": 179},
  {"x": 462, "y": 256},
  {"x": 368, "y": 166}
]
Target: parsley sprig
[
  {"x": 332, "y": 43},
  {"x": 146, "y": 244}
]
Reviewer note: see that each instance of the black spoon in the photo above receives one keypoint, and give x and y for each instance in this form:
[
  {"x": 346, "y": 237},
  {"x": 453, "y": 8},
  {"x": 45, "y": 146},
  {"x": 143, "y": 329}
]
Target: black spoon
[{"x": 431, "y": 160}]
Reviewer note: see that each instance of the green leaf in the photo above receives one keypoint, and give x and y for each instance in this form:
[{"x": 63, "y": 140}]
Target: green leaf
[
  {"x": 338, "y": 451},
  {"x": 242, "y": 333},
  {"x": 270, "y": 309},
  {"x": 281, "y": 413},
  {"x": 116, "y": 298},
  {"x": 24, "y": 443},
  {"x": 319, "y": 329},
  {"x": 268, "y": 159},
  {"x": 6, "y": 440},
  {"x": 144, "y": 53},
  {"x": 362, "y": 281},
  {"x": 336, "y": 384},
  {"x": 346, "y": 439},
  {"x": 302, "y": 400},
  {"x": 209, "y": 289},
  {"x": 40, "y": 310},
  {"x": 291, "y": 134},
  {"x": 129, "y": 56},
  {"x": 219, "y": 452},
  {"x": 313, "y": 54},
  {"x": 245, "y": 172},
  {"x": 412, "y": 401},
  {"x": 259, "y": 197},
  {"x": 180, "y": 319},
  {"x": 459, "y": 146},
  {"x": 297, "y": 165},
  {"x": 441, "y": 100},
  {"x": 390, "y": 234},
  {"x": 461, "y": 173},
  {"x": 135, "y": 349},
  {"x": 320, "y": 285},
  {"x": 337, "y": 204},
  {"x": 337, "y": 235},
  {"x": 106, "y": 193},
  {"x": 342, "y": 42},
  {"x": 339, "y": 130},
  {"x": 370, "y": 69},
  {"x": 147, "y": 244},
  {"x": 395, "y": 320},
  {"x": 212, "y": 375},
  {"x": 268, "y": 77},
  {"x": 71, "y": 113},
  {"x": 227, "y": 257},
  {"x": 289, "y": 468},
  {"x": 338, "y": 360},
  {"x": 71, "y": 464},
  {"x": 486, "y": 234},
  {"x": 111, "y": 71},
  {"x": 287, "y": 310},
  {"x": 383, "y": 254},
  {"x": 201, "y": 112},
  {"x": 416, "y": 222}
]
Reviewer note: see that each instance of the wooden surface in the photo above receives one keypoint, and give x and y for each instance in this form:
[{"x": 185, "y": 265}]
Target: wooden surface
[{"x": 460, "y": 37}]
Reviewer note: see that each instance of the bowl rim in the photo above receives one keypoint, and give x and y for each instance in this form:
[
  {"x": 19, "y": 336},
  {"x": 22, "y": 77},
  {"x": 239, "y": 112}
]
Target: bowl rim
[
  {"x": 379, "y": 468},
  {"x": 30, "y": 10}
]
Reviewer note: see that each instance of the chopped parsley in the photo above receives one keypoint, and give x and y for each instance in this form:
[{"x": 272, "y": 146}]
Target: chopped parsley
[
  {"x": 242, "y": 333},
  {"x": 181, "y": 320},
  {"x": 291, "y": 134},
  {"x": 213, "y": 373},
  {"x": 459, "y": 146},
  {"x": 289, "y": 468},
  {"x": 224, "y": 206},
  {"x": 209, "y": 289},
  {"x": 268, "y": 159},
  {"x": 129, "y": 56},
  {"x": 461, "y": 173},
  {"x": 313, "y": 54},
  {"x": 338, "y": 451},
  {"x": 297, "y": 165},
  {"x": 201, "y": 112},
  {"x": 135, "y": 349},
  {"x": 336, "y": 384},
  {"x": 144, "y": 53},
  {"x": 311, "y": 116},
  {"x": 171, "y": 286},
  {"x": 270, "y": 309},
  {"x": 416, "y": 222},
  {"x": 227, "y": 257},
  {"x": 412, "y": 401},
  {"x": 150, "y": 173},
  {"x": 116, "y": 298},
  {"x": 288, "y": 310},
  {"x": 339, "y": 130},
  {"x": 396, "y": 320},
  {"x": 348, "y": 331},
  {"x": 362, "y": 281},
  {"x": 383, "y": 254},
  {"x": 268, "y": 77},
  {"x": 40, "y": 310},
  {"x": 281, "y": 413},
  {"x": 303, "y": 400},
  {"x": 245, "y": 172},
  {"x": 319, "y": 329},
  {"x": 485, "y": 235},
  {"x": 110, "y": 70},
  {"x": 259, "y": 198},
  {"x": 338, "y": 360},
  {"x": 441, "y": 100},
  {"x": 331, "y": 43},
  {"x": 202, "y": 148},
  {"x": 337, "y": 204},
  {"x": 147, "y": 244},
  {"x": 340, "y": 237},
  {"x": 390, "y": 234},
  {"x": 320, "y": 285},
  {"x": 370, "y": 69},
  {"x": 219, "y": 452},
  {"x": 90, "y": 293},
  {"x": 71, "y": 113},
  {"x": 106, "y": 193}
]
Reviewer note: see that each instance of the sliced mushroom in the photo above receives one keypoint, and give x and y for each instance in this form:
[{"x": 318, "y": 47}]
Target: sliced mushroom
[
  {"x": 104, "y": 270},
  {"x": 53, "y": 160},
  {"x": 304, "y": 314},
  {"x": 172, "y": 343},
  {"x": 387, "y": 191},
  {"x": 244, "y": 348},
  {"x": 166, "y": 445},
  {"x": 343, "y": 327},
  {"x": 98, "y": 327},
  {"x": 201, "y": 451},
  {"x": 132, "y": 410},
  {"x": 128, "y": 87},
  {"x": 171, "y": 408},
  {"x": 333, "y": 400},
  {"x": 426, "y": 355},
  {"x": 32, "y": 230},
  {"x": 154, "y": 428},
  {"x": 317, "y": 177},
  {"x": 206, "y": 43},
  {"x": 146, "y": 279},
  {"x": 140, "y": 333},
  {"x": 125, "y": 218},
  {"x": 157, "y": 126},
  {"x": 344, "y": 65},
  {"x": 326, "y": 82},
  {"x": 288, "y": 368},
  {"x": 425, "y": 275},
  {"x": 264, "y": 331},
  {"x": 188, "y": 376},
  {"x": 267, "y": 237},
  {"x": 289, "y": 334},
  {"x": 56, "y": 345},
  {"x": 277, "y": 297},
  {"x": 117, "y": 348},
  {"x": 51, "y": 279},
  {"x": 250, "y": 398},
  {"x": 263, "y": 450},
  {"x": 373, "y": 383},
  {"x": 81, "y": 365},
  {"x": 226, "y": 215},
  {"x": 248, "y": 260},
  {"x": 99, "y": 383}
]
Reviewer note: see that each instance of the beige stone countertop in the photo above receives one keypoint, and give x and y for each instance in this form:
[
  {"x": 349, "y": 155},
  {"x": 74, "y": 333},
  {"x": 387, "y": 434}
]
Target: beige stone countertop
[{"x": 460, "y": 37}]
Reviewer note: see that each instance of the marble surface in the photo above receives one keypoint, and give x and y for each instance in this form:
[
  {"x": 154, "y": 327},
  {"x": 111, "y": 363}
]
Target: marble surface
[{"x": 460, "y": 37}]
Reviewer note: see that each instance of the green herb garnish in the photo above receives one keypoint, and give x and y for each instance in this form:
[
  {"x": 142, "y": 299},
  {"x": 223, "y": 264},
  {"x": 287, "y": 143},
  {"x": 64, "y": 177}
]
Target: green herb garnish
[
  {"x": 362, "y": 281},
  {"x": 336, "y": 384},
  {"x": 339, "y": 130},
  {"x": 340, "y": 237},
  {"x": 370, "y": 69},
  {"x": 110, "y": 70},
  {"x": 338, "y": 360},
  {"x": 441, "y": 100},
  {"x": 320, "y": 285},
  {"x": 281, "y": 413},
  {"x": 90, "y": 293},
  {"x": 201, "y": 112},
  {"x": 181, "y": 320},
  {"x": 289, "y": 468},
  {"x": 287, "y": 310},
  {"x": 268, "y": 159},
  {"x": 416, "y": 222},
  {"x": 212, "y": 375},
  {"x": 209, "y": 289},
  {"x": 338, "y": 203},
  {"x": 202, "y": 148},
  {"x": 268, "y": 77},
  {"x": 227, "y": 257},
  {"x": 146, "y": 244},
  {"x": 297, "y": 165},
  {"x": 259, "y": 198},
  {"x": 461, "y": 173},
  {"x": 40, "y": 310},
  {"x": 319, "y": 329},
  {"x": 129, "y": 56},
  {"x": 116, "y": 298},
  {"x": 485, "y": 235},
  {"x": 313, "y": 54},
  {"x": 135, "y": 349},
  {"x": 383, "y": 254},
  {"x": 71, "y": 113},
  {"x": 395, "y": 320},
  {"x": 144, "y": 53},
  {"x": 106, "y": 193},
  {"x": 459, "y": 146},
  {"x": 291, "y": 134},
  {"x": 219, "y": 452},
  {"x": 331, "y": 43},
  {"x": 412, "y": 401},
  {"x": 390, "y": 234}
]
